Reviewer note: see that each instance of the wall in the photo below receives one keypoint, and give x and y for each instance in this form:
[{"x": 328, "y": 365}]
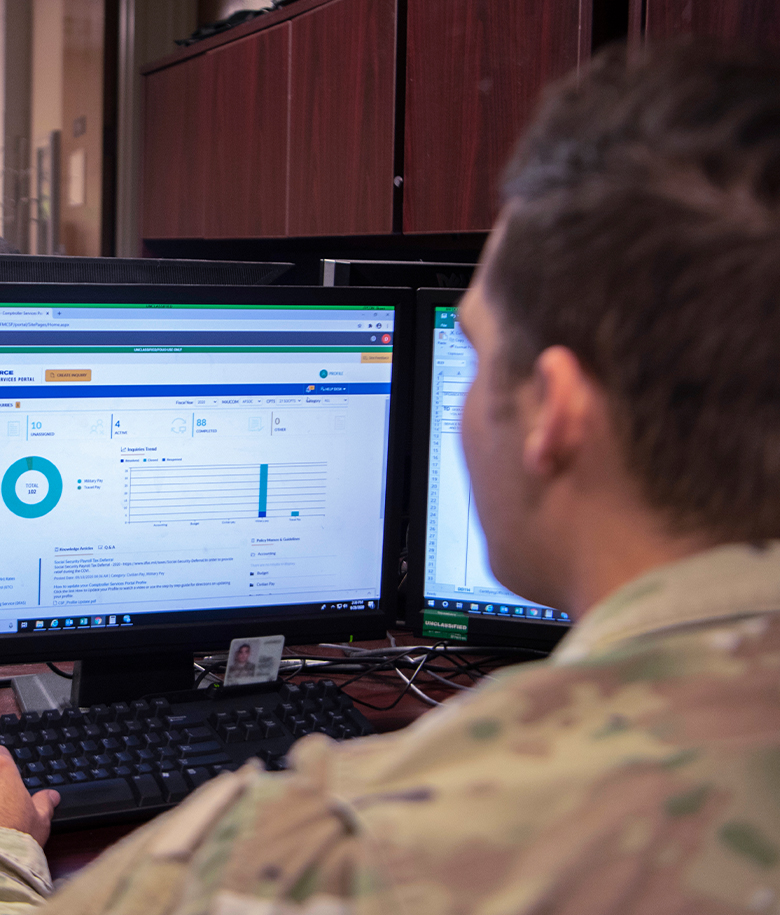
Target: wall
[
  {"x": 16, "y": 21},
  {"x": 46, "y": 82},
  {"x": 82, "y": 127},
  {"x": 147, "y": 29}
]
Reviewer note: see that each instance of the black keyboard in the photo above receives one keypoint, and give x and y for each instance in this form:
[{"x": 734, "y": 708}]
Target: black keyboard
[{"x": 130, "y": 760}]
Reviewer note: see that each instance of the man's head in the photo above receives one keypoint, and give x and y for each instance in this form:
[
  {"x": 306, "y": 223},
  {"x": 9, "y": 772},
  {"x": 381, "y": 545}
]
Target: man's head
[
  {"x": 639, "y": 243},
  {"x": 242, "y": 655}
]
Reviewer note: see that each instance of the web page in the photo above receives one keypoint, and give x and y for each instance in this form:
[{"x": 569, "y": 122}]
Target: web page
[
  {"x": 172, "y": 462},
  {"x": 457, "y": 570}
]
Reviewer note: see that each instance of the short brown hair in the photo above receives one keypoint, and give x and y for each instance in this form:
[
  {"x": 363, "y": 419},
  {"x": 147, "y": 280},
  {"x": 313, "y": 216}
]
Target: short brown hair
[{"x": 643, "y": 232}]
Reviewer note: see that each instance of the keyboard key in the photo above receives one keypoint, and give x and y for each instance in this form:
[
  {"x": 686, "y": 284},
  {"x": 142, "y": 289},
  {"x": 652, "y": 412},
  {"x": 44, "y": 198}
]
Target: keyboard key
[
  {"x": 120, "y": 710},
  {"x": 108, "y": 794},
  {"x": 146, "y": 790},
  {"x": 178, "y": 722},
  {"x": 213, "y": 760},
  {"x": 9, "y": 724},
  {"x": 196, "y": 735},
  {"x": 195, "y": 776},
  {"x": 174, "y": 786},
  {"x": 199, "y": 749}
]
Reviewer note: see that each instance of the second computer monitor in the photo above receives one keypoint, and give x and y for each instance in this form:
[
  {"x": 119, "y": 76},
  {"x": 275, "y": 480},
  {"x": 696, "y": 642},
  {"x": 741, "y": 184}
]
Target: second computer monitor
[{"x": 452, "y": 592}]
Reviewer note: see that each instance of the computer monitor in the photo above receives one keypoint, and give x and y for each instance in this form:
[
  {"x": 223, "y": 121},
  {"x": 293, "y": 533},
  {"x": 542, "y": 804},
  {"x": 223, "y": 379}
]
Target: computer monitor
[
  {"x": 451, "y": 592},
  {"x": 26, "y": 268},
  {"x": 181, "y": 466},
  {"x": 414, "y": 274}
]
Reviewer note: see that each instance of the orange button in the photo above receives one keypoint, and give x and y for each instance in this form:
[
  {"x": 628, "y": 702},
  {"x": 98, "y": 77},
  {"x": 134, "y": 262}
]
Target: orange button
[
  {"x": 376, "y": 357},
  {"x": 69, "y": 374}
]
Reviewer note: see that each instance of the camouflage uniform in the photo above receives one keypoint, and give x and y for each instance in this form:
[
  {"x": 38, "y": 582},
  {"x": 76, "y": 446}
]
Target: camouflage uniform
[{"x": 636, "y": 771}]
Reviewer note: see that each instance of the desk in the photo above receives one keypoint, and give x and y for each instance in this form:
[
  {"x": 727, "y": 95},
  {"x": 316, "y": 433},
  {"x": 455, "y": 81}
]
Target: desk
[{"x": 68, "y": 852}]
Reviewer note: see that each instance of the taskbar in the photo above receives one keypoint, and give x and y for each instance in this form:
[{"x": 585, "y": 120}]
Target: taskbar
[
  {"x": 109, "y": 620},
  {"x": 501, "y": 610}
]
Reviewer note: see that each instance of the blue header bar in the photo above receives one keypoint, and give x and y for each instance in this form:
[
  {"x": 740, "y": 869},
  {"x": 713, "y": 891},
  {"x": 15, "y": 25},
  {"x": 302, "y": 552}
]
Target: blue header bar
[{"x": 36, "y": 392}]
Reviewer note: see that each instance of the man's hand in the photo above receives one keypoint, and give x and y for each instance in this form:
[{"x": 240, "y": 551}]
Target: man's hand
[{"x": 19, "y": 810}]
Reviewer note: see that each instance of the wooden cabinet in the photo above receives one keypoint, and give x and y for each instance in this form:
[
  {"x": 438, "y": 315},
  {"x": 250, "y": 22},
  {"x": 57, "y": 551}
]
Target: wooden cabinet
[
  {"x": 247, "y": 144},
  {"x": 752, "y": 21},
  {"x": 342, "y": 119},
  {"x": 290, "y": 126},
  {"x": 473, "y": 73},
  {"x": 174, "y": 156}
]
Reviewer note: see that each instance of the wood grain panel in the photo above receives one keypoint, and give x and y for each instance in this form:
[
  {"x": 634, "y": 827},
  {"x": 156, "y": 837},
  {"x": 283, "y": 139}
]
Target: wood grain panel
[
  {"x": 174, "y": 156},
  {"x": 474, "y": 71},
  {"x": 342, "y": 119},
  {"x": 753, "y": 21},
  {"x": 247, "y": 147}
]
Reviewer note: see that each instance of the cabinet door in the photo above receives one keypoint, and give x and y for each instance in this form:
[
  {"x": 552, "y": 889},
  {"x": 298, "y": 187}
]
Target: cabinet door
[
  {"x": 342, "y": 118},
  {"x": 247, "y": 146},
  {"x": 474, "y": 70},
  {"x": 174, "y": 156},
  {"x": 744, "y": 20}
]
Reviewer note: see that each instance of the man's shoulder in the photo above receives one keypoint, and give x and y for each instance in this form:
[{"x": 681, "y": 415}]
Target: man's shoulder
[{"x": 654, "y": 760}]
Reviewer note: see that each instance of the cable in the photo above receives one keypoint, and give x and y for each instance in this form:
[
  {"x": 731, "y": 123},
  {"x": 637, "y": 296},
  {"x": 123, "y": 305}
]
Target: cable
[{"x": 60, "y": 673}]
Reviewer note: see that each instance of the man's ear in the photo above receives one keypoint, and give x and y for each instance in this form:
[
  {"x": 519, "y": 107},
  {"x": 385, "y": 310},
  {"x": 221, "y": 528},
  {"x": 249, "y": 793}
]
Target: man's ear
[{"x": 558, "y": 404}]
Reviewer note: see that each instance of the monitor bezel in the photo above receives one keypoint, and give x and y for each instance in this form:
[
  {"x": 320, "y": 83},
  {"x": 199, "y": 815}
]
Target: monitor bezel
[
  {"x": 203, "y": 637},
  {"x": 482, "y": 630}
]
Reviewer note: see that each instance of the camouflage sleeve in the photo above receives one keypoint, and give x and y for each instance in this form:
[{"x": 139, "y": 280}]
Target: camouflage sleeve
[
  {"x": 24, "y": 874},
  {"x": 246, "y": 843}
]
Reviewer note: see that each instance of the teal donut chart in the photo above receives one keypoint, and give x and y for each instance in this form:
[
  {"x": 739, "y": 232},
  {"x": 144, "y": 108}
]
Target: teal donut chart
[{"x": 47, "y": 503}]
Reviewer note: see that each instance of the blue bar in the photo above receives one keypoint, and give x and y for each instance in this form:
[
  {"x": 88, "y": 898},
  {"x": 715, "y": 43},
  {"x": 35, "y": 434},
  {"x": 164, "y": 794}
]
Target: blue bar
[
  {"x": 263, "y": 501},
  {"x": 184, "y": 391}
]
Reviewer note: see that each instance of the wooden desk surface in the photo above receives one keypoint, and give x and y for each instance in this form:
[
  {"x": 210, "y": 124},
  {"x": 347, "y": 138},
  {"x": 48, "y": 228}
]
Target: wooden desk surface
[{"x": 68, "y": 852}]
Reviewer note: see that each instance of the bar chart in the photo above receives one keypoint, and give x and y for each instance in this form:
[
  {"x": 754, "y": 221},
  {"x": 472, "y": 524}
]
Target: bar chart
[{"x": 227, "y": 492}]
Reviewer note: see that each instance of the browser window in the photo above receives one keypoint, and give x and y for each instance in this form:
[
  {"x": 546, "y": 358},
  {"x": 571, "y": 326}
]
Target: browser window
[{"x": 161, "y": 460}]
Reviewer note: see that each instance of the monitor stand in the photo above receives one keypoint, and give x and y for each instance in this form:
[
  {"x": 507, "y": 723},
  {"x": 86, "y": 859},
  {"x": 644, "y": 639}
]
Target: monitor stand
[{"x": 107, "y": 679}]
